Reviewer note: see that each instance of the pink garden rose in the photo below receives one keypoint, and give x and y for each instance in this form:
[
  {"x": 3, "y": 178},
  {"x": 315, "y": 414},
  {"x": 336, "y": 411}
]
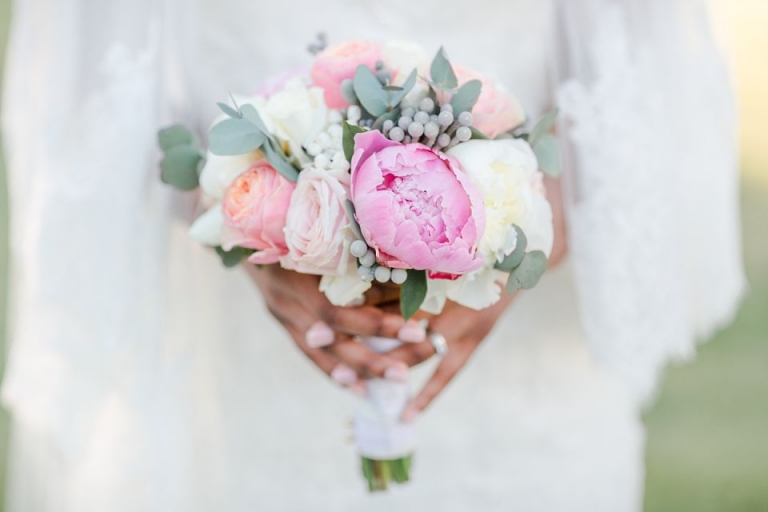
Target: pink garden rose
[
  {"x": 254, "y": 207},
  {"x": 415, "y": 207},
  {"x": 496, "y": 110},
  {"x": 316, "y": 222},
  {"x": 337, "y": 63}
]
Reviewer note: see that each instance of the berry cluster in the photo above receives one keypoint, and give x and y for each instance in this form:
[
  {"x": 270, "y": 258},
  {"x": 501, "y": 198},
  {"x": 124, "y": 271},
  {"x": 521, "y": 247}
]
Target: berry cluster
[
  {"x": 370, "y": 270},
  {"x": 439, "y": 129}
]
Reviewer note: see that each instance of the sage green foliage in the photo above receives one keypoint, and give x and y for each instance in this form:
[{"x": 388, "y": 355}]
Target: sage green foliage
[
  {"x": 233, "y": 258},
  {"x": 348, "y": 139},
  {"x": 350, "y": 207},
  {"x": 466, "y": 97},
  {"x": 183, "y": 159},
  {"x": 441, "y": 71},
  {"x": 370, "y": 91},
  {"x": 244, "y": 132},
  {"x": 545, "y": 145},
  {"x": 515, "y": 258},
  {"x": 527, "y": 274},
  {"x": 413, "y": 292}
]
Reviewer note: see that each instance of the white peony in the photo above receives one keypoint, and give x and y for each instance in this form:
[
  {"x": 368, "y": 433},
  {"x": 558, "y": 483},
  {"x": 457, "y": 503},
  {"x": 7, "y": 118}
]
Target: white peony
[
  {"x": 403, "y": 57},
  {"x": 506, "y": 172}
]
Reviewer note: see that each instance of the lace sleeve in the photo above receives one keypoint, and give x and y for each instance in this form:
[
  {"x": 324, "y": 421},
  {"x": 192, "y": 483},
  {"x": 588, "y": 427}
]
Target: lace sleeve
[{"x": 653, "y": 202}]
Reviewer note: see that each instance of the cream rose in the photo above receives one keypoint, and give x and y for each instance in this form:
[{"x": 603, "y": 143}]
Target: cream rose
[{"x": 316, "y": 224}]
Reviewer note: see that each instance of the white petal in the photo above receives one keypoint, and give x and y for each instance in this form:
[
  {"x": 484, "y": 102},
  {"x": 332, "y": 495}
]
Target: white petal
[
  {"x": 343, "y": 290},
  {"x": 478, "y": 290},
  {"x": 207, "y": 228}
]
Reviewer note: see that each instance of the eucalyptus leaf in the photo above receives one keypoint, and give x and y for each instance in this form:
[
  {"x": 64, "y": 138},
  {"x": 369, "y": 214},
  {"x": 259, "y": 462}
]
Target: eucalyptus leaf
[
  {"x": 370, "y": 92},
  {"x": 250, "y": 113},
  {"x": 413, "y": 292},
  {"x": 543, "y": 127},
  {"x": 179, "y": 167},
  {"x": 547, "y": 152},
  {"x": 348, "y": 139},
  {"x": 513, "y": 259},
  {"x": 277, "y": 160},
  {"x": 396, "y": 97},
  {"x": 441, "y": 71},
  {"x": 235, "y": 137},
  {"x": 173, "y": 136},
  {"x": 350, "y": 207},
  {"x": 528, "y": 273},
  {"x": 231, "y": 112},
  {"x": 477, "y": 134},
  {"x": 234, "y": 257},
  {"x": 467, "y": 96}
]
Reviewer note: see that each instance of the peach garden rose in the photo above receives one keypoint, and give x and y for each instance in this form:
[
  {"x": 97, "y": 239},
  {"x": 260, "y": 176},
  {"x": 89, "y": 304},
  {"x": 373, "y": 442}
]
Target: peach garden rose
[{"x": 255, "y": 206}]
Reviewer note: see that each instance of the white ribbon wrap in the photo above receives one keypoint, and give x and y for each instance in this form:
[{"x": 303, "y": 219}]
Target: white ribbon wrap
[{"x": 379, "y": 433}]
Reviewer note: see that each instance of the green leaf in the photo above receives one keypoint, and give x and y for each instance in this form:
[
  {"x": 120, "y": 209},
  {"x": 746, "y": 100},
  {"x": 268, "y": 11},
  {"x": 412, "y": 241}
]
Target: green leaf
[
  {"x": 179, "y": 167},
  {"x": 348, "y": 139},
  {"x": 250, "y": 113},
  {"x": 513, "y": 259},
  {"x": 467, "y": 96},
  {"x": 231, "y": 112},
  {"x": 277, "y": 159},
  {"x": 234, "y": 257},
  {"x": 396, "y": 97},
  {"x": 370, "y": 92},
  {"x": 350, "y": 207},
  {"x": 442, "y": 72},
  {"x": 235, "y": 137},
  {"x": 528, "y": 273},
  {"x": 477, "y": 134},
  {"x": 547, "y": 152},
  {"x": 543, "y": 127},
  {"x": 173, "y": 136},
  {"x": 413, "y": 292}
]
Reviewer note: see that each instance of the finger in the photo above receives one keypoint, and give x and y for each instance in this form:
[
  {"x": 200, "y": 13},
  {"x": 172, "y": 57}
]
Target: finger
[
  {"x": 322, "y": 359},
  {"x": 453, "y": 361},
  {"x": 362, "y": 321},
  {"x": 413, "y": 354},
  {"x": 366, "y": 362}
]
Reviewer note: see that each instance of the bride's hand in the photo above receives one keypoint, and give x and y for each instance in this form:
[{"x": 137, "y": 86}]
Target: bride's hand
[
  {"x": 325, "y": 332},
  {"x": 464, "y": 329}
]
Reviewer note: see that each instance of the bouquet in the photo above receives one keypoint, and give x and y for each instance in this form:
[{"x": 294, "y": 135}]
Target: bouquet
[{"x": 377, "y": 167}]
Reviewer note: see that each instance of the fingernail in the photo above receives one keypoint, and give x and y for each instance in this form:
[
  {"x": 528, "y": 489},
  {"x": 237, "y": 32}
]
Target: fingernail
[
  {"x": 412, "y": 332},
  {"x": 319, "y": 335},
  {"x": 409, "y": 415},
  {"x": 344, "y": 375},
  {"x": 359, "y": 388},
  {"x": 397, "y": 373}
]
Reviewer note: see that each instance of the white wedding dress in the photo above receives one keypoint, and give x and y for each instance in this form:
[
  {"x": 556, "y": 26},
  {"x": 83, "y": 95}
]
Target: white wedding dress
[{"x": 142, "y": 376}]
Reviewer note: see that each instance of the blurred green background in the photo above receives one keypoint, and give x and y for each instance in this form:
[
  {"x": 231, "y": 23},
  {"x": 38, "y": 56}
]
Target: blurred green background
[{"x": 708, "y": 431}]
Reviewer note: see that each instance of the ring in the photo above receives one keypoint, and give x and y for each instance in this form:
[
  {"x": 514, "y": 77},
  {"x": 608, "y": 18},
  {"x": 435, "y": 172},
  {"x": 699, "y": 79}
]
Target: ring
[{"x": 438, "y": 342}]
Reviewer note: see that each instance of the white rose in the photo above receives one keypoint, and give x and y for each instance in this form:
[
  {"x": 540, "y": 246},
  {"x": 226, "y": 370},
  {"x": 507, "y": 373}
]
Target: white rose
[
  {"x": 207, "y": 228},
  {"x": 506, "y": 172},
  {"x": 315, "y": 230},
  {"x": 296, "y": 115}
]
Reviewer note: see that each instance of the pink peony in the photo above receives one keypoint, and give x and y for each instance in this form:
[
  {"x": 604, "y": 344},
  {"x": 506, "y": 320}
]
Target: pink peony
[
  {"x": 415, "y": 207},
  {"x": 335, "y": 64},
  {"x": 255, "y": 205},
  {"x": 315, "y": 227},
  {"x": 496, "y": 110}
]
